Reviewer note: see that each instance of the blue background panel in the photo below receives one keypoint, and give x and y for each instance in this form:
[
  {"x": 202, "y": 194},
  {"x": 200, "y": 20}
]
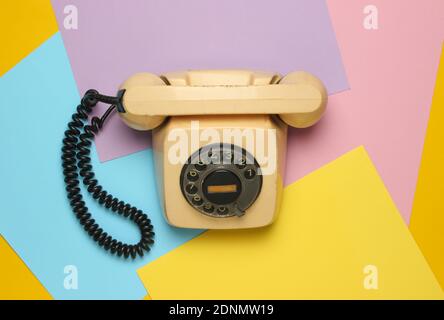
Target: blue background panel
[{"x": 37, "y": 98}]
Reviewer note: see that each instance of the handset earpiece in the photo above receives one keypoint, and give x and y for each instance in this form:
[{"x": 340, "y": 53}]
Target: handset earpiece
[
  {"x": 142, "y": 122},
  {"x": 315, "y": 91}
]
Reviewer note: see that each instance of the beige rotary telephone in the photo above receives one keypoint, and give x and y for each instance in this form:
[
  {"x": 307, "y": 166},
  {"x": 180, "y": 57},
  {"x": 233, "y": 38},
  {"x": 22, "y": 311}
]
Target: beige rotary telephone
[{"x": 219, "y": 139}]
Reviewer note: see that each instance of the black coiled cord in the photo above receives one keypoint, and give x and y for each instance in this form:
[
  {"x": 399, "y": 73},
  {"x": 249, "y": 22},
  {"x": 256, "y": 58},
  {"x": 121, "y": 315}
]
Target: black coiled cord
[{"x": 76, "y": 160}]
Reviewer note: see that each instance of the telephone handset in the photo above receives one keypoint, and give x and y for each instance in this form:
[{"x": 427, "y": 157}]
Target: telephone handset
[{"x": 219, "y": 141}]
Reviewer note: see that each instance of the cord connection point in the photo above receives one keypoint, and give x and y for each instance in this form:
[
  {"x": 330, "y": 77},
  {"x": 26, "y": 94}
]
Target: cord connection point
[{"x": 119, "y": 104}]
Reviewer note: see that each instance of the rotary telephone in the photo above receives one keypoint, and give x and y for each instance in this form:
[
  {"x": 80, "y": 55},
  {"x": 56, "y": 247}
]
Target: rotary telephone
[{"x": 219, "y": 142}]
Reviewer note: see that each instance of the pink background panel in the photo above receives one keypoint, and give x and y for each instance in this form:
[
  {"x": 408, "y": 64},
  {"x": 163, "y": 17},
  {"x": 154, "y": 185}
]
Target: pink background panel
[{"x": 391, "y": 72}]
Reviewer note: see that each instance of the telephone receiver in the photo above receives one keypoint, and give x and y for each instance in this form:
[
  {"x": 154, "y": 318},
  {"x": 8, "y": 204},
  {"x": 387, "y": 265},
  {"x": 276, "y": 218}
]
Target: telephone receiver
[
  {"x": 299, "y": 99},
  {"x": 219, "y": 142}
]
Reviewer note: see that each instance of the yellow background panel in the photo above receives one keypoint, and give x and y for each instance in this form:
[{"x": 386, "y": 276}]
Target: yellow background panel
[
  {"x": 333, "y": 223},
  {"x": 427, "y": 221},
  {"x": 16, "y": 280},
  {"x": 24, "y": 25}
]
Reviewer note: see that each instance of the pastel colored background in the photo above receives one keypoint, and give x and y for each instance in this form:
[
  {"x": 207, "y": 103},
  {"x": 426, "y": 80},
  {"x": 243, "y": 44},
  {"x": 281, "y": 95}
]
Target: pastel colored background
[
  {"x": 427, "y": 223},
  {"x": 170, "y": 35},
  {"x": 391, "y": 73},
  {"x": 378, "y": 64},
  {"x": 16, "y": 280},
  {"x": 25, "y": 25},
  {"x": 36, "y": 218},
  {"x": 315, "y": 249}
]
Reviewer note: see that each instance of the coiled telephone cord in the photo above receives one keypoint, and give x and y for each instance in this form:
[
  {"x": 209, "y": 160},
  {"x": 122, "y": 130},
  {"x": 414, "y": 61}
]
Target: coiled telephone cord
[{"x": 76, "y": 161}]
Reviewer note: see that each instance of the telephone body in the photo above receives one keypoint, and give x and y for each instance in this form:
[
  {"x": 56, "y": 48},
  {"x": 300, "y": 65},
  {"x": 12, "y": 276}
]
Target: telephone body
[{"x": 202, "y": 192}]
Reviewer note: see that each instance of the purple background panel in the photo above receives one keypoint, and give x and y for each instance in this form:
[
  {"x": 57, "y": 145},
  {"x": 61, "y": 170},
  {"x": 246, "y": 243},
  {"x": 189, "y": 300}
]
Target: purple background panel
[{"x": 116, "y": 39}]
